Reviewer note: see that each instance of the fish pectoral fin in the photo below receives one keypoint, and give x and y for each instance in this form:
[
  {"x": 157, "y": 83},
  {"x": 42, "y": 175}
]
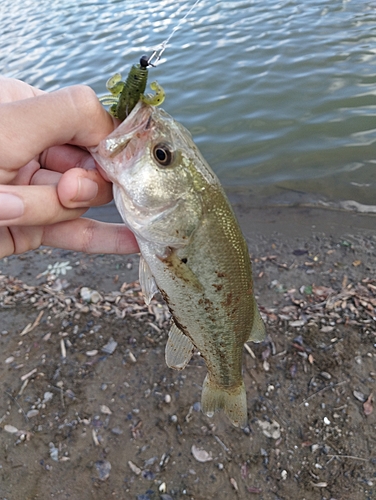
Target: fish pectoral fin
[
  {"x": 258, "y": 328},
  {"x": 179, "y": 349},
  {"x": 148, "y": 285},
  {"x": 232, "y": 401}
]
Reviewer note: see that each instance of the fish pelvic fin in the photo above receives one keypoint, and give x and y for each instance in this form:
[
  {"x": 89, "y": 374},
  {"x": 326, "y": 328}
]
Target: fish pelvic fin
[
  {"x": 233, "y": 402},
  {"x": 258, "y": 328},
  {"x": 179, "y": 349},
  {"x": 147, "y": 282}
]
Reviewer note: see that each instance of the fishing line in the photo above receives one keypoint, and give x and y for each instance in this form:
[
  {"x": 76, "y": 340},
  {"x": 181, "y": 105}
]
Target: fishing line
[{"x": 162, "y": 47}]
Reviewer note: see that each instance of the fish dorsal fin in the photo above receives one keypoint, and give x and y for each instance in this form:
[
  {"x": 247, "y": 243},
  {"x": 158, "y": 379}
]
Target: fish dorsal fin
[
  {"x": 179, "y": 349},
  {"x": 258, "y": 328},
  {"x": 147, "y": 282}
]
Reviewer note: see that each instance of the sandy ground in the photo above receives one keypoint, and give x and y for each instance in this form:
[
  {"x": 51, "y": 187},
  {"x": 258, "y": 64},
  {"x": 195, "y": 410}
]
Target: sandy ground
[{"x": 89, "y": 410}]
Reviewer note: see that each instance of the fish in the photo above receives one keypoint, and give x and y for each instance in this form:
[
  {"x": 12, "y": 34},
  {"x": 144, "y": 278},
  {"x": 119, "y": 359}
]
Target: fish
[{"x": 192, "y": 250}]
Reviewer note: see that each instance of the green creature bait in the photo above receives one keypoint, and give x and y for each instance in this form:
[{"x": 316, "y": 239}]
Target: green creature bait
[{"x": 125, "y": 95}]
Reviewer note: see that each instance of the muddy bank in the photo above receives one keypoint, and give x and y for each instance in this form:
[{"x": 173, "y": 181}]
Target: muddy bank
[{"x": 89, "y": 410}]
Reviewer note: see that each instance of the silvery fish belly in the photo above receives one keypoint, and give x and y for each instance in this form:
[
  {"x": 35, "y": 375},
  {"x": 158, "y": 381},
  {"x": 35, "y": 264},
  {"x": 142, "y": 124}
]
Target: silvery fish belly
[{"x": 192, "y": 249}]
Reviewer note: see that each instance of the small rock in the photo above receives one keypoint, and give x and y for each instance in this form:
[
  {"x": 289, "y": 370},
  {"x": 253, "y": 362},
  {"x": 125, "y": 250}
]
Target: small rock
[
  {"x": 234, "y": 484},
  {"x": 95, "y": 297},
  {"x": 32, "y": 413},
  {"x": 150, "y": 461},
  {"x": 117, "y": 431},
  {"x": 85, "y": 293},
  {"x": 54, "y": 452},
  {"x": 326, "y": 421},
  {"x": 10, "y": 428},
  {"x": 148, "y": 474},
  {"x": 110, "y": 347},
  {"x": 270, "y": 429},
  {"x": 134, "y": 468},
  {"x": 9, "y": 360},
  {"x": 94, "y": 352},
  {"x": 297, "y": 323},
  {"x": 200, "y": 455},
  {"x": 47, "y": 397},
  {"x": 105, "y": 410},
  {"x": 359, "y": 396},
  {"x": 284, "y": 475},
  {"x": 103, "y": 468},
  {"x": 167, "y": 399}
]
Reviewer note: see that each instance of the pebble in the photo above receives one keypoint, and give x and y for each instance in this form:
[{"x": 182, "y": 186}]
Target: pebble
[
  {"x": 105, "y": 410},
  {"x": 103, "y": 468},
  {"x": 270, "y": 429},
  {"x": 110, "y": 347},
  {"x": 167, "y": 399},
  {"x": 47, "y": 397},
  {"x": 134, "y": 468},
  {"x": 54, "y": 452},
  {"x": 89, "y": 295},
  {"x": 359, "y": 396},
  {"x": 201, "y": 455},
  {"x": 94, "y": 352},
  {"x": 32, "y": 413},
  {"x": 9, "y": 360},
  {"x": 326, "y": 421},
  {"x": 10, "y": 428}
]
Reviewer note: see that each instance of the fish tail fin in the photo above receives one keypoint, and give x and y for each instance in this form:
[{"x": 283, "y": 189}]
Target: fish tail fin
[{"x": 233, "y": 402}]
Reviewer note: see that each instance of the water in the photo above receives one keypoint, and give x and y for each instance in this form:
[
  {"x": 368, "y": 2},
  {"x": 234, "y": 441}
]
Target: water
[{"x": 278, "y": 94}]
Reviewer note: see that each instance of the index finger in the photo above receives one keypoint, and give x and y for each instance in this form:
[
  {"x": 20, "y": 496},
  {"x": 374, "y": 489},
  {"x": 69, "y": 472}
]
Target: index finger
[{"x": 71, "y": 115}]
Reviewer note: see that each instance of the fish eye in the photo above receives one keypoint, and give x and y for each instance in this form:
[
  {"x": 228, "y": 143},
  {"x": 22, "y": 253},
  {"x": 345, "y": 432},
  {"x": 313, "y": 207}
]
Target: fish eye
[{"x": 163, "y": 154}]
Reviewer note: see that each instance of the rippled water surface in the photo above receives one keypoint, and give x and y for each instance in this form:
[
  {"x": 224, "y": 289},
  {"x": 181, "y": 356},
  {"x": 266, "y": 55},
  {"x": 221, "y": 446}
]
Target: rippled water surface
[{"x": 279, "y": 95}]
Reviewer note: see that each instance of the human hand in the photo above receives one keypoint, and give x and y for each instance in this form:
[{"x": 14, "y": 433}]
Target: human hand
[{"x": 47, "y": 178}]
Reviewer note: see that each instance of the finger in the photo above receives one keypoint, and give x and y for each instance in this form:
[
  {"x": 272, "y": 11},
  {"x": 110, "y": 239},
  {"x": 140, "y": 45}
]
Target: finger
[
  {"x": 15, "y": 90},
  {"x": 63, "y": 158},
  {"x": 33, "y": 206},
  {"x": 90, "y": 236},
  {"x": 71, "y": 115},
  {"x": 6, "y": 243},
  {"x": 83, "y": 188},
  {"x": 77, "y": 188},
  {"x": 79, "y": 235}
]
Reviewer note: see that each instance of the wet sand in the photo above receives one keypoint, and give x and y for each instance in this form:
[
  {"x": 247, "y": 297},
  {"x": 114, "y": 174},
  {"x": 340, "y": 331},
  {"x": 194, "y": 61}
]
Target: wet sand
[{"x": 79, "y": 422}]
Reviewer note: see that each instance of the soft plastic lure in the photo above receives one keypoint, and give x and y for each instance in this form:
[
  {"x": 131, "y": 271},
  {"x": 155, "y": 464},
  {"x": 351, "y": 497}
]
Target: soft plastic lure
[{"x": 125, "y": 95}]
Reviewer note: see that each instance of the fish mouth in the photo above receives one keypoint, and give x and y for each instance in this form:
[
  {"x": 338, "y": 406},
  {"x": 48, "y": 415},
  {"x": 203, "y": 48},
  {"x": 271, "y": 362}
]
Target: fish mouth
[{"x": 138, "y": 121}]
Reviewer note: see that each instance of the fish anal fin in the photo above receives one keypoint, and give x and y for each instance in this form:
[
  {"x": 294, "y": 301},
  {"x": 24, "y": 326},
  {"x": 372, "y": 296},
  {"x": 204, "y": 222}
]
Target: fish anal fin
[
  {"x": 147, "y": 282},
  {"x": 258, "y": 328},
  {"x": 179, "y": 349},
  {"x": 233, "y": 402}
]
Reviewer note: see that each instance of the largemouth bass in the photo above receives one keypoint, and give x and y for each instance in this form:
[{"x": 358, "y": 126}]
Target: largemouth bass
[{"x": 192, "y": 250}]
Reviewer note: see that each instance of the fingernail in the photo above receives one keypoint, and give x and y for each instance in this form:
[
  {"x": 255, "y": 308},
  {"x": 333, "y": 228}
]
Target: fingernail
[
  {"x": 87, "y": 190},
  {"x": 11, "y": 206}
]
